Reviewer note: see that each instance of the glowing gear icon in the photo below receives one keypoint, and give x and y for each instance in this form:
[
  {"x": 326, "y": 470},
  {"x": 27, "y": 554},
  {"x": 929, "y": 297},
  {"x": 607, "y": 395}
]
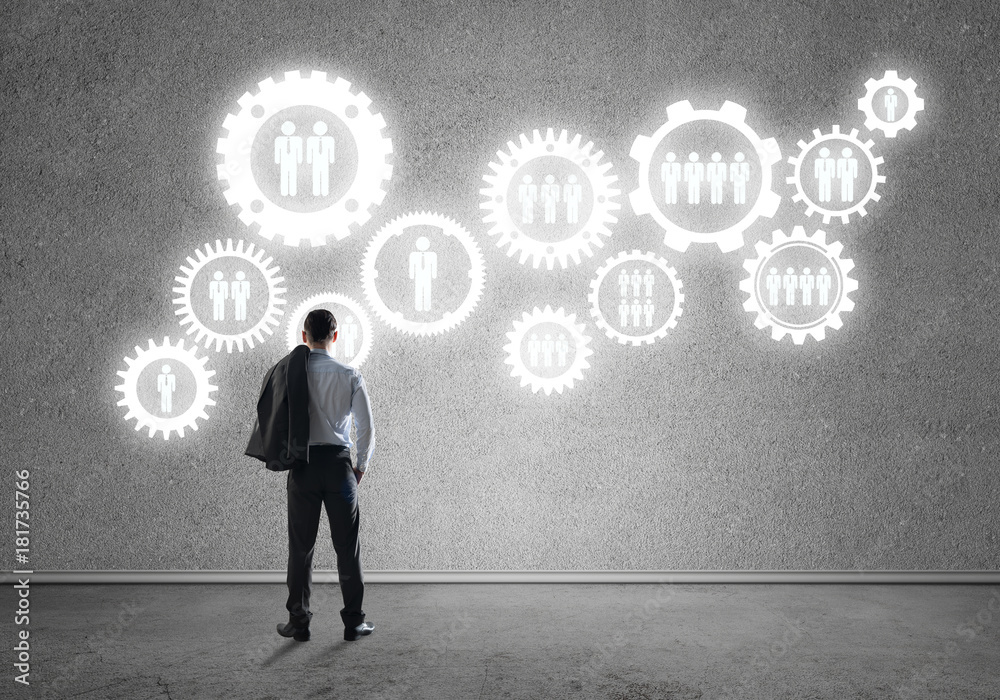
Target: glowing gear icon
[
  {"x": 828, "y": 213},
  {"x": 649, "y": 259},
  {"x": 296, "y": 319},
  {"x": 585, "y": 235},
  {"x": 373, "y": 151},
  {"x": 573, "y": 369},
  {"x": 274, "y": 291},
  {"x": 450, "y": 228},
  {"x": 730, "y": 237},
  {"x": 155, "y": 354},
  {"x": 829, "y": 316},
  {"x": 907, "y": 87}
]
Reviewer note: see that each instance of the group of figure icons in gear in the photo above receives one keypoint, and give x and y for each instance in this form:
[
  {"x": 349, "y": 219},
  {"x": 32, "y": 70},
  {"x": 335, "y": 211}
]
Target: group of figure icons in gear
[{"x": 306, "y": 158}]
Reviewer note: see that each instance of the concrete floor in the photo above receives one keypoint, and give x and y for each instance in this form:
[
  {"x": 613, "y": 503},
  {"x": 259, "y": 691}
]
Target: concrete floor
[{"x": 621, "y": 642}]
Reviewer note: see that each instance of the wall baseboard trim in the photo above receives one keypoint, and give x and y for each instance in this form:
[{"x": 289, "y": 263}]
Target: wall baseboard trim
[{"x": 455, "y": 576}]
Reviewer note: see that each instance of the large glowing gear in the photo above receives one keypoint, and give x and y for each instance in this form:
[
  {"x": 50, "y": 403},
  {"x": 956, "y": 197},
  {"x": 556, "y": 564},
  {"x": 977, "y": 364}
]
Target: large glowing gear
[
  {"x": 831, "y": 318},
  {"x": 856, "y": 208},
  {"x": 158, "y": 353},
  {"x": 296, "y": 319},
  {"x": 588, "y": 233},
  {"x": 449, "y": 227},
  {"x": 365, "y": 127},
  {"x": 914, "y": 104},
  {"x": 649, "y": 259},
  {"x": 573, "y": 371},
  {"x": 274, "y": 291},
  {"x": 731, "y": 237}
]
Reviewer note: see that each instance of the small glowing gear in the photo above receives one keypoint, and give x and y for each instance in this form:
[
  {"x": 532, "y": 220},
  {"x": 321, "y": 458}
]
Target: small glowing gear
[
  {"x": 914, "y": 104},
  {"x": 158, "y": 353},
  {"x": 575, "y": 369},
  {"x": 449, "y": 227},
  {"x": 731, "y": 237},
  {"x": 274, "y": 292},
  {"x": 373, "y": 151},
  {"x": 588, "y": 233},
  {"x": 873, "y": 163},
  {"x": 817, "y": 328},
  {"x": 296, "y": 319},
  {"x": 651, "y": 259}
]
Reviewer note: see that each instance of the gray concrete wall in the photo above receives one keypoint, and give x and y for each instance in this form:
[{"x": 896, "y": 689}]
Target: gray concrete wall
[{"x": 715, "y": 448}]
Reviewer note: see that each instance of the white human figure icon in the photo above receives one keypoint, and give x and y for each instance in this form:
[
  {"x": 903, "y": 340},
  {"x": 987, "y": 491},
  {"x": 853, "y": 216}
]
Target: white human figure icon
[
  {"x": 623, "y": 313},
  {"x": 562, "y": 349},
  {"x": 847, "y": 171},
  {"x": 636, "y": 282},
  {"x": 636, "y": 312},
  {"x": 218, "y": 292},
  {"x": 791, "y": 283},
  {"x": 648, "y": 279},
  {"x": 891, "y": 101},
  {"x": 319, "y": 152},
  {"x": 623, "y": 280},
  {"x": 694, "y": 175},
  {"x": 240, "y": 288},
  {"x": 670, "y": 174},
  {"x": 824, "y": 169},
  {"x": 166, "y": 384},
  {"x": 349, "y": 337},
  {"x": 423, "y": 268},
  {"x": 288, "y": 156},
  {"x": 807, "y": 282},
  {"x": 716, "y": 173},
  {"x": 648, "y": 309},
  {"x": 572, "y": 196},
  {"x": 550, "y": 195},
  {"x": 823, "y": 282},
  {"x": 548, "y": 348},
  {"x": 773, "y": 284},
  {"x": 527, "y": 195},
  {"x": 739, "y": 175},
  {"x": 534, "y": 347}
]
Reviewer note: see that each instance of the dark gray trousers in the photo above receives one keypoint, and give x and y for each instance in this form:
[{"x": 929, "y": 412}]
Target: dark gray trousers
[{"x": 328, "y": 479}]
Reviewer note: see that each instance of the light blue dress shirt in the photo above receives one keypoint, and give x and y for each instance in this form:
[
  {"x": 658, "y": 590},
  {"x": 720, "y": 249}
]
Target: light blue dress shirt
[{"x": 336, "y": 393}]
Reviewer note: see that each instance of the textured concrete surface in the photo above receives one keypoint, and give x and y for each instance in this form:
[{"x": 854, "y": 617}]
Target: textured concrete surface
[
  {"x": 715, "y": 448},
  {"x": 630, "y": 642}
]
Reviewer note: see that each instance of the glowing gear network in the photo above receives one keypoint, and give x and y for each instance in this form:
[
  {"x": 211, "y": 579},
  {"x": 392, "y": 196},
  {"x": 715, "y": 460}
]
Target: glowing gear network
[
  {"x": 676, "y": 236},
  {"x": 274, "y": 291},
  {"x": 449, "y": 227},
  {"x": 373, "y": 151},
  {"x": 586, "y": 233},
  {"x": 648, "y": 259},
  {"x": 907, "y": 87},
  {"x": 160, "y": 353},
  {"x": 813, "y": 207},
  {"x": 573, "y": 370},
  {"x": 765, "y": 316},
  {"x": 298, "y": 317}
]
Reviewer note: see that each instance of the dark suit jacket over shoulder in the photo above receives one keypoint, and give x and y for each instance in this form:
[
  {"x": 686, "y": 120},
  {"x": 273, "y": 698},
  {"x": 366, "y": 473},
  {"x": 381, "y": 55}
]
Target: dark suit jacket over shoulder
[{"x": 280, "y": 436}]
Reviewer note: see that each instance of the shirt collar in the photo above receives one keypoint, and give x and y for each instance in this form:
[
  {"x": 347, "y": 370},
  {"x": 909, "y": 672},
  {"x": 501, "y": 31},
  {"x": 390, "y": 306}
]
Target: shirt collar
[{"x": 319, "y": 350}]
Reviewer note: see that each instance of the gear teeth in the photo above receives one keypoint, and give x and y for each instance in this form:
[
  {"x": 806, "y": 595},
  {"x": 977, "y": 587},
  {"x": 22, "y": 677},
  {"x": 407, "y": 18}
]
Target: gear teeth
[
  {"x": 602, "y": 273},
  {"x": 914, "y": 104},
  {"x": 295, "y": 320},
  {"x": 572, "y": 373},
  {"x": 676, "y": 236}
]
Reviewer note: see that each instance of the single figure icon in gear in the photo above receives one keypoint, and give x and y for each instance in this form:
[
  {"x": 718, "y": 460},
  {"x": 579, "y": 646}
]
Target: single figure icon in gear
[
  {"x": 798, "y": 285},
  {"x": 453, "y": 263},
  {"x": 307, "y": 130},
  {"x": 164, "y": 361},
  {"x": 550, "y": 198},
  {"x": 555, "y": 347},
  {"x": 208, "y": 330},
  {"x": 881, "y": 104},
  {"x": 656, "y": 193}
]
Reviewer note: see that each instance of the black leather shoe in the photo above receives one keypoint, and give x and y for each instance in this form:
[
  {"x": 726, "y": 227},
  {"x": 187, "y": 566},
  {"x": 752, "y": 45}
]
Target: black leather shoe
[
  {"x": 354, "y": 633},
  {"x": 300, "y": 634}
]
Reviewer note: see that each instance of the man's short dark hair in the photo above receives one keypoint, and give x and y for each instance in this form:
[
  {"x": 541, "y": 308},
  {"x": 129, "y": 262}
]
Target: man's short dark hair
[{"x": 320, "y": 325}]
